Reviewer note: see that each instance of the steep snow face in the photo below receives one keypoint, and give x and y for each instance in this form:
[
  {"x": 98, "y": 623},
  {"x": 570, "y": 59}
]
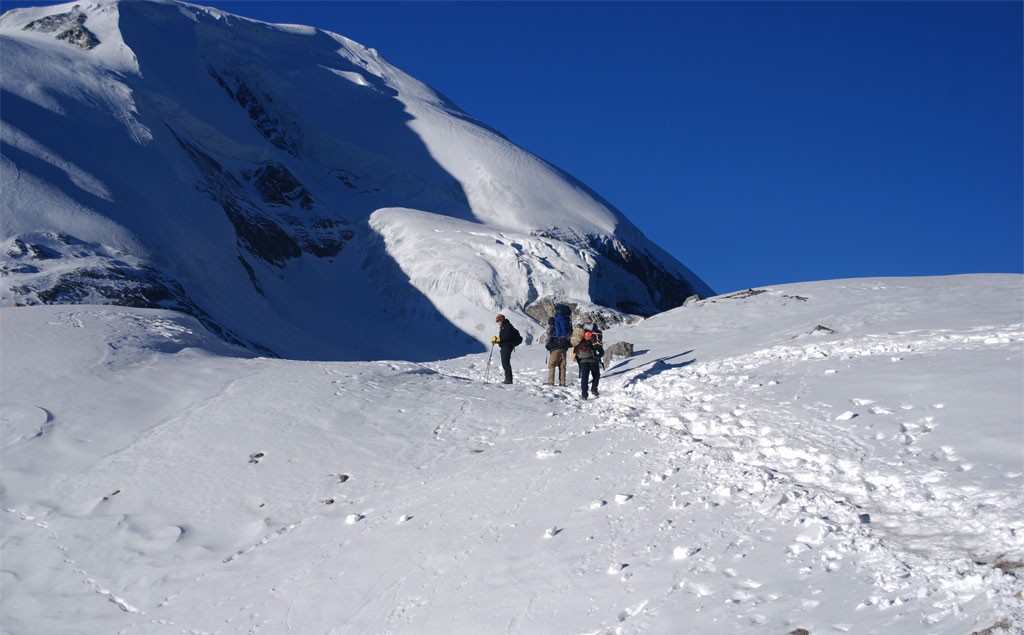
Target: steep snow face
[{"x": 160, "y": 154}]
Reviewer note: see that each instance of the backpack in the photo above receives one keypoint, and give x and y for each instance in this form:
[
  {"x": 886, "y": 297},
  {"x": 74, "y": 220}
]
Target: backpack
[
  {"x": 516, "y": 338},
  {"x": 577, "y": 335},
  {"x": 585, "y": 351},
  {"x": 554, "y": 342},
  {"x": 563, "y": 327}
]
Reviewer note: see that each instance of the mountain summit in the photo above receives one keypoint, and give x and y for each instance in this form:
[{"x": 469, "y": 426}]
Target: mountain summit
[{"x": 288, "y": 187}]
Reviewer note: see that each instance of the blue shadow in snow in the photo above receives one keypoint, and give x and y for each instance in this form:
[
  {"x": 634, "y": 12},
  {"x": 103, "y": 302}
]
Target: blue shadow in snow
[{"x": 653, "y": 368}]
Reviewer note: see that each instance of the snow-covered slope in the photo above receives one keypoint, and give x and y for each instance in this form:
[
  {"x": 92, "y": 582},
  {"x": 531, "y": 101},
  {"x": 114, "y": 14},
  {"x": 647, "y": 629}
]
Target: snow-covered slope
[
  {"x": 282, "y": 183},
  {"x": 834, "y": 457}
]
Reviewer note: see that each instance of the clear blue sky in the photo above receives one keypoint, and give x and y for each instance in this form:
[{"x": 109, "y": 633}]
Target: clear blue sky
[{"x": 758, "y": 142}]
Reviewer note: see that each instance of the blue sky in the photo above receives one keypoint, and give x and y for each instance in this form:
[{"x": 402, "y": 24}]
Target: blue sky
[{"x": 758, "y": 142}]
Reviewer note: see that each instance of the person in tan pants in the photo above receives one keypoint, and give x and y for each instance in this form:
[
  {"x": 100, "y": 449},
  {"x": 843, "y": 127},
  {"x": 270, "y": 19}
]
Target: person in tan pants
[{"x": 557, "y": 347}]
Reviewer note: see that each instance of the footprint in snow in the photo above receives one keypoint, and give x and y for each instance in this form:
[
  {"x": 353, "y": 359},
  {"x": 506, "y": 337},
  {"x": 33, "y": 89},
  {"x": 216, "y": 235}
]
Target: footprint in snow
[
  {"x": 693, "y": 588},
  {"x": 661, "y": 478},
  {"x": 256, "y": 456},
  {"x": 682, "y": 553},
  {"x": 632, "y": 611}
]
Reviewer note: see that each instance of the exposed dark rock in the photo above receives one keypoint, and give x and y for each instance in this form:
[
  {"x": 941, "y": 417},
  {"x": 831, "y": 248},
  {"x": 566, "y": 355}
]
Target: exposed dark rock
[
  {"x": 140, "y": 288},
  {"x": 252, "y": 275},
  {"x": 19, "y": 249},
  {"x": 266, "y": 123},
  {"x": 256, "y": 233},
  {"x": 278, "y": 186},
  {"x": 259, "y": 235},
  {"x": 326, "y": 236},
  {"x": 742, "y": 295},
  {"x": 348, "y": 179},
  {"x": 69, "y": 27},
  {"x": 1002, "y": 627},
  {"x": 666, "y": 290},
  {"x": 8, "y": 268},
  {"x": 80, "y": 37},
  {"x": 544, "y": 308},
  {"x": 117, "y": 282},
  {"x": 620, "y": 350}
]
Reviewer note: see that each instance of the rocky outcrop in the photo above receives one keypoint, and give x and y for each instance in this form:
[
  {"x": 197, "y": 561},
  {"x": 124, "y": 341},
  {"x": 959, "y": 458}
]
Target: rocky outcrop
[
  {"x": 278, "y": 186},
  {"x": 68, "y": 27},
  {"x": 283, "y": 223},
  {"x": 263, "y": 118},
  {"x": 316, "y": 233},
  {"x": 664, "y": 289},
  {"x": 90, "y": 273},
  {"x": 604, "y": 317}
]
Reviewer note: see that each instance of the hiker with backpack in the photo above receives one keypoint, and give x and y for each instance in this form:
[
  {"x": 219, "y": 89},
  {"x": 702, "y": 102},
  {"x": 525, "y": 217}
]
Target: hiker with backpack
[
  {"x": 507, "y": 339},
  {"x": 557, "y": 345},
  {"x": 598, "y": 340},
  {"x": 588, "y": 353}
]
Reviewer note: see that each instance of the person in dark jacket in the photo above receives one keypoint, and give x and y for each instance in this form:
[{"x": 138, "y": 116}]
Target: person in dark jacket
[
  {"x": 588, "y": 355},
  {"x": 506, "y": 341}
]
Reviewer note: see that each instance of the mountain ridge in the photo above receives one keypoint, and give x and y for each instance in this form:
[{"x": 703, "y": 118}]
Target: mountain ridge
[{"x": 246, "y": 174}]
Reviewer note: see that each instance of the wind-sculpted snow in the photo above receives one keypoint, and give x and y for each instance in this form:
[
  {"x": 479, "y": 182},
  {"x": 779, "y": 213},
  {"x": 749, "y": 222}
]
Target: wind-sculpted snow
[{"x": 744, "y": 472}]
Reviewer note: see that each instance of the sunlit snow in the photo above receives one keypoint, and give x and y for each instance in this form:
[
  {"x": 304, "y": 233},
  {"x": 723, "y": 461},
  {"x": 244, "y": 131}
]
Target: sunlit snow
[{"x": 841, "y": 456}]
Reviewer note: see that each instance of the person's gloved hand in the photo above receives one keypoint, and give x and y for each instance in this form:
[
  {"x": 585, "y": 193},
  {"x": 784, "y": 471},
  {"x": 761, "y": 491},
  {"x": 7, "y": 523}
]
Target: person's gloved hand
[{"x": 495, "y": 340}]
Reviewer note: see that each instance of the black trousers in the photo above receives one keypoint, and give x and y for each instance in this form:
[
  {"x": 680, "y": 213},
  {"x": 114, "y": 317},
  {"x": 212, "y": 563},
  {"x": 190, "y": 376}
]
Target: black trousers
[
  {"x": 506, "y": 363},
  {"x": 589, "y": 370}
]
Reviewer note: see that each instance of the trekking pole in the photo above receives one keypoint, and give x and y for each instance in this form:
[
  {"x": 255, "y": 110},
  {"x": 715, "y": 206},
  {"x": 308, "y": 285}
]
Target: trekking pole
[{"x": 488, "y": 371}]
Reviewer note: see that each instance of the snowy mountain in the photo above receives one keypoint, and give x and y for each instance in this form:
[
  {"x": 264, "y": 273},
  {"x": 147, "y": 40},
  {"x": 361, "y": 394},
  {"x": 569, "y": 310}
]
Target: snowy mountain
[
  {"x": 819, "y": 458},
  {"x": 282, "y": 184}
]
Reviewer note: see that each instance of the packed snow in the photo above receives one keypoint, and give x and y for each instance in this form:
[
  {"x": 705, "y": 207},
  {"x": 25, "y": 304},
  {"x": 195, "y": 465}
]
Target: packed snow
[{"x": 831, "y": 457}]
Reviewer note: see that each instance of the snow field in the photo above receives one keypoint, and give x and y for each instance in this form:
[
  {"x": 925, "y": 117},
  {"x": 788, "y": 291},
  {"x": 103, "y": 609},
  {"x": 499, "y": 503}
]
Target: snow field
[{"x": 153, "y": 484}]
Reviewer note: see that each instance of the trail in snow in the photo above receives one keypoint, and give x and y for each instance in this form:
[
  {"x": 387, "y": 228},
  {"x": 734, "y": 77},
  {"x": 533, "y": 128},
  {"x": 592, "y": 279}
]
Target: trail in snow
[{"x": 845, "y": 482}]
